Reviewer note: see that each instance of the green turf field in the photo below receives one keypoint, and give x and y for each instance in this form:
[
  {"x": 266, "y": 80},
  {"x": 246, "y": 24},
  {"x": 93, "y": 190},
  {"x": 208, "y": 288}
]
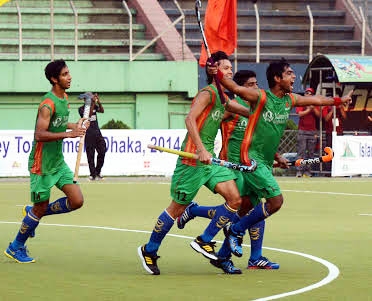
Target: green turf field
[{"x": 324, "y": 228}]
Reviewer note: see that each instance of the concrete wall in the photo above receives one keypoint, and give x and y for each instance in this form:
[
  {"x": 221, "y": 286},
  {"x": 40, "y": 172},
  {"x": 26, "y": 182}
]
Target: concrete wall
[{"x": 144, "y": 95}]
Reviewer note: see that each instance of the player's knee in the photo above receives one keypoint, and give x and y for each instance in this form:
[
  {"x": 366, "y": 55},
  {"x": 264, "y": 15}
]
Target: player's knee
[
  {"x": 234, "y": 201},
  {"x": 274, "y": 204},
  {"x": 76, "y": 203}
]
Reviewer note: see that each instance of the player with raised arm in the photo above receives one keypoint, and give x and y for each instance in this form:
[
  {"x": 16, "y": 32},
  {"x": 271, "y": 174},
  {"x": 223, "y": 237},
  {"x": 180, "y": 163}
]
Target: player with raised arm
[
  {"x": 232, "y": 130},
  {"x": 46, "y": 162},
  {"x": 270, "y": 112},
  {"x": 202, "y": 122}
]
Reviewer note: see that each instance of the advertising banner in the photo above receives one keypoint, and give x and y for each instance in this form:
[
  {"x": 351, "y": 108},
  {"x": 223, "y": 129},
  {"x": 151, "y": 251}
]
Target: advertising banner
[
  {"x": 352, "y": 155},
  {"x": 127, "y": 152}
]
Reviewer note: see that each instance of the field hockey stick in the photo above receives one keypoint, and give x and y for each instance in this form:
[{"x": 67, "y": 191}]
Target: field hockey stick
[
  {"x": 213, "y": 161},
  {"x": 198, "y": 18},
  {"x": 299, "y": 162},
  {"x": 87, "y": 104}
]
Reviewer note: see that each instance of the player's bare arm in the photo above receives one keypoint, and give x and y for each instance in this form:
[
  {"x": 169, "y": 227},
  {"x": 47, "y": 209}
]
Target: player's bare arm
[
  {"x": 42, "y": 124},
  {"x": 200, "y": 103},
  {"x": 320, "y": 100}
]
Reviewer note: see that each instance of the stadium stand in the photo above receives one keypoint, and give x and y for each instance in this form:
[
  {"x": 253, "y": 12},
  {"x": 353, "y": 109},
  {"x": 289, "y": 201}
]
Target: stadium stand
[
  {"x": 103, "y": 31},
  {"x": 284, "y": 29}
]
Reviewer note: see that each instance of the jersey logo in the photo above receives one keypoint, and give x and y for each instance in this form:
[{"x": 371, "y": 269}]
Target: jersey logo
[
  {"x": 217, "y": 115},
  {"x": 57, "y": 122},
  {"x": 268, "y": 116},
  {"x": 242, "y": 124},
  {"x": 60, "y": 121}
]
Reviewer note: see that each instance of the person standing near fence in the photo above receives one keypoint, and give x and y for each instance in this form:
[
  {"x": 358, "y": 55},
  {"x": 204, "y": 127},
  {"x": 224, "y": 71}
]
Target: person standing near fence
[
  {"x": 306, "y": 134},
  {"x": 94, "y": 140},
  {"x": 327, "y": 115}
]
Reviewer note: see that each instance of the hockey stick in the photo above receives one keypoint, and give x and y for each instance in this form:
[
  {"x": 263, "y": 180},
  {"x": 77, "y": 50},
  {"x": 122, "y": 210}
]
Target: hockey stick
[
  {"x": 87, "y": 104},
  {"x": 213, "y": 161},
  {"x": 198, "y": 18},
  {"x": 299, "y": 162}
]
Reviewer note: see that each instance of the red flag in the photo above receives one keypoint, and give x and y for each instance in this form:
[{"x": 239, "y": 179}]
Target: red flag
[{"x": 220, "y": 28}]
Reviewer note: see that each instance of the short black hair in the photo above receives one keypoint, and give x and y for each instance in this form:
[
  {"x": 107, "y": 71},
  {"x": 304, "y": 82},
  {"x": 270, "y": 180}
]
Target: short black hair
[
  {"x": 276, "y": 68},
  {"x": 53, "y": 69},
  {"x": 242, "y": 76},
  {"x": 216, "y": 56}
]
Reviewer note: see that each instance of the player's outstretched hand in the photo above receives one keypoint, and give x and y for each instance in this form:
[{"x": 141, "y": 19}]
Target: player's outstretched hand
[
  {"x": 281, "y": 162},
  {"x": 346, "y": 100}
]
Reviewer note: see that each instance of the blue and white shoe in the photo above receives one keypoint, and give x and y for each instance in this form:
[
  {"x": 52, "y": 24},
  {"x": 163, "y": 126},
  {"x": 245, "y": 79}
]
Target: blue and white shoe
[
  {"x": 235, "y": 240},
  {"x": 226, "y": 265},
  {"x": 25, "y": 210},
  {"x": 20, "y": 255},
  {"x": 186, "y": 216},
  {"x": 262, "y": 263}
]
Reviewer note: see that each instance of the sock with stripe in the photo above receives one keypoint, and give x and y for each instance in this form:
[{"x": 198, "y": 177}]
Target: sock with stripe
[
  {"x": 58, "y": 206},
  {"x": 225, "y": 251},
  {"x": 163, "y": 225},
  {"x": 256, "y": 234},
  {"x": 257, "y": 214},
  {"x": 203, "y": 211},
  {"x": 223, "y": 215},
  {"x": 29, "y": 223}
]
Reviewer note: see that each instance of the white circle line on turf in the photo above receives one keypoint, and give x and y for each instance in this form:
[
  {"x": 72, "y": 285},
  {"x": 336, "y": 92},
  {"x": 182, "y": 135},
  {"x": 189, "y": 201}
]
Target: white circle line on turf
[{"x": 333, "y": 270}]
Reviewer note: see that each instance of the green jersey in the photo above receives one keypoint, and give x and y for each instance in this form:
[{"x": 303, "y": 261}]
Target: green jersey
[
  {"x": 265, "y": 127},
  {"x": 47, "y": 157},
  {"x": 208, "y": 124},
  {"x": 232, "y": 131}
]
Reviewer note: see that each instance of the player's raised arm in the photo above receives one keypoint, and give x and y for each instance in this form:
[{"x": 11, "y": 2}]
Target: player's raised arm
[
  {"x": 249, "y": 94},
  {"x": 320, "y": 100}
]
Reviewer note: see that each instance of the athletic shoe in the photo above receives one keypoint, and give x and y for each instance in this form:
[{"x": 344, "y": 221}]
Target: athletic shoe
[
  {"x": 20, "y": 255},
  {"x": 235, "y": 241},
  {"x": 186, "y": 216},
  {"x": 99, "y": 177},
  {"x": 226, "y": 265},
  {"x": 298, "y": 174},
  {"x": 205, "y": 248},
  {"x": 262, "y": 263},
  {"x": 91, "y": 178},
  {"x": 148, "y": 261},
  {"x": 25, "y": 210}
]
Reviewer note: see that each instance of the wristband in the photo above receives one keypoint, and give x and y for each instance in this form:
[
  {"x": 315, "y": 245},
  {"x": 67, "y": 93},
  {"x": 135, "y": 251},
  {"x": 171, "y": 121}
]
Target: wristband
[
  {"x": 337, "y": 101},
  {"x": 219, "y": 75}
]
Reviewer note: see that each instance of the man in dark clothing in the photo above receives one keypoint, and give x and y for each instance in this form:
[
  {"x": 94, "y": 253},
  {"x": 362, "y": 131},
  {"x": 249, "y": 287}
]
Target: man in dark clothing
[
  {"x": 94, "y": 140},
  {"x": 306, "y": 135}
]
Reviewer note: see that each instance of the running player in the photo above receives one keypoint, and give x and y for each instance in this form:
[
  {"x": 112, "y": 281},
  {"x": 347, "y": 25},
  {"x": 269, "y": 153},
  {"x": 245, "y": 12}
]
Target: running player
[
  {"x": 46, "y": 163},
  {"x": 202, "y": 123},
  {"x": 270, "y": 112},
  {"x": 232, "y": 129}
]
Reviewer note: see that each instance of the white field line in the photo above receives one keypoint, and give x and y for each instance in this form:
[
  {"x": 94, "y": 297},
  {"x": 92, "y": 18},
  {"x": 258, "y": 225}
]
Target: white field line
[{"x": 333, "y": 271}]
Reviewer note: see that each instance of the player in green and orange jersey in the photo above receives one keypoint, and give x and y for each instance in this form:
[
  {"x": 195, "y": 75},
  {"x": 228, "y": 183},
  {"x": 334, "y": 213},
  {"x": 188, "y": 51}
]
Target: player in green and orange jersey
[
  {"x": 232, "y": 131},
  {"x": 46, "y": 163},
  {"x": 270, "y": 112},
  {"x": 202, "y": 122}
]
